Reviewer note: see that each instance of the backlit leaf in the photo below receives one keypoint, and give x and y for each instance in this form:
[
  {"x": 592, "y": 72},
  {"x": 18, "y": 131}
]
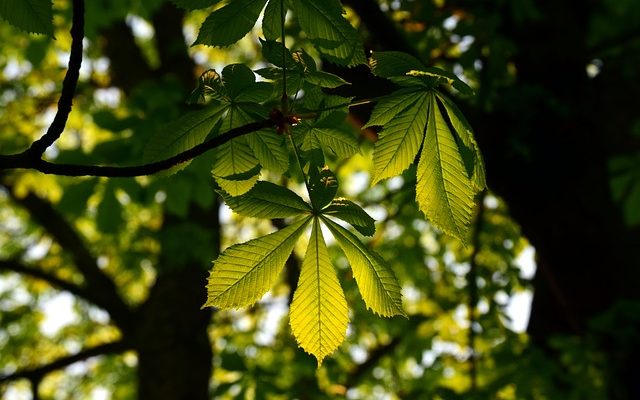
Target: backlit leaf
[
  {"x": 377, "y": 283},
  {"x": 400, "y": 140},
  {"x": 243, "y": 273},
  {"x": 319, "y": 313},
  {"x": 267, "y": 200},
  {"x": 444, "y": 192}
]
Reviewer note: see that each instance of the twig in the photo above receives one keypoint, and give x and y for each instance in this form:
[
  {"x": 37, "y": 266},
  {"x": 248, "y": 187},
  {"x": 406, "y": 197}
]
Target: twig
[
  {"x": 24, "y": 161},
  {"x": 69, "y": 85}
]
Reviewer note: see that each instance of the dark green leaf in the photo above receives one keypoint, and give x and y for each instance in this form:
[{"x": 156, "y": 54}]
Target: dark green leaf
[
  {"x": 194, "y": 4},
  {"x": 323, "y": 186},
  {"x": 230, "y": 23},
  {"x": 33, "y": 16}
]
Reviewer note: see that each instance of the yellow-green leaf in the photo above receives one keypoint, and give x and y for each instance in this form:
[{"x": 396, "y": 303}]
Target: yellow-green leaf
[
  {"x": 245, "y": 272},
  {"x": 377, "y": 283},
  {"x": 444, "y": 192},
  {"x": 400, "y": 140},
  {"x": 267, "y": 200},
  {"x": 319, "y": 313}
]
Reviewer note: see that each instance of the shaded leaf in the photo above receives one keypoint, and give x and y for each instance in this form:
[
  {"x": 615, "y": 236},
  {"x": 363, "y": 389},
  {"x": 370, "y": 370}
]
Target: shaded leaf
[
  {"x": 329, "y": 31},
  {"x": 270, "y": 149},
  {"x": 323, "y": 186},
  {"x": 352, "y": 213},
  {"x": 33, "y": 16},
  {"x": 230, "y": 23},
  {"x": 194, "y": 4},
  {"x": 271, "y": 20}
]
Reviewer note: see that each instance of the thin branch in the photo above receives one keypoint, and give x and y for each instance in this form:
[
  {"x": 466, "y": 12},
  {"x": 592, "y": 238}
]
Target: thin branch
[
  {"x": 103, "y": 291},
  {"x": 19, "y": 268},
  {"x": 36, "y": 373},
  {"x": 22, "y": 161},
  {"x": 69, "y": 85}
]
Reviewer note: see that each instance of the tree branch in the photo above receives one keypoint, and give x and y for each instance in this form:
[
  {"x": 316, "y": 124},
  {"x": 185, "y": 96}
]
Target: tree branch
[
  {"x": 19, "y": 268},
  {"x": 23, "y": 161},
  {"x": 69, "y": 85},
  {"x": 35, "y": 374},
  {"x": 103, "y": 290}
]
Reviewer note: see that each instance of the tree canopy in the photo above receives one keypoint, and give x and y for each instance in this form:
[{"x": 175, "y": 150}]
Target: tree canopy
[{"x": 287, "y": 199}]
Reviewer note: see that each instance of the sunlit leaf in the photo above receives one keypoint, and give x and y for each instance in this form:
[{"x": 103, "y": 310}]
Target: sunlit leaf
[
  {"x": 243, "y": 273},
  {"x": 444, "y": 192},
  {"x": 319, "y": 313},
  {"x": 400, "y": 140},
  {"x": 377, "y": 283},
  {"x": 267, "y": 200}
]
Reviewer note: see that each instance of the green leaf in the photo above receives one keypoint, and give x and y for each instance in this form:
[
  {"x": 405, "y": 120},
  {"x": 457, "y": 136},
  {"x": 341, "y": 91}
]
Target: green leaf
[
  {"x": 278, "y": 55},
  {"x": 74, "y": 198},
  {"x": 444, "y": 76},
  {"x": 237, "y": 79},
  {"x": 323, "y": 186},
  {"x": 270, "y": 149},
  {"x": 329, "y": 31},
  {"x": 271, "y": 21},
  {"x": 230, "y": 23},
  {"x": 392, "y": 105},
  {"x": 33, "y": 16},
  {"x": 400, "y": 140},
  {"x": 465, "y": 133},
  {"x": 330, "y": 140},
  {"x": 233, "y": 160},
  {"x": 325, "y": 79},
  {"x": 352, "y": 213},
  {"x": 267, "y": 200},
  {"x": 209, "y": 84},
  {"x": 386, "y": 64},
  {"x": 194, "y": 4},
  {"x": 444, "y": 192},
  {"x": 182, "y": 134},
  {"x": 378, "y": 285},
  {"x": 319, "y": 315},
  {"x": 243, "y": 273}
]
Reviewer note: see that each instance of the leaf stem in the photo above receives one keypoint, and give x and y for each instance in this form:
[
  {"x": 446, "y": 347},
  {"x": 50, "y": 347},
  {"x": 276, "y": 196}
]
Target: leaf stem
[
  {"x": 297, "y": 154},
  {"x": 285, "y": 98}
]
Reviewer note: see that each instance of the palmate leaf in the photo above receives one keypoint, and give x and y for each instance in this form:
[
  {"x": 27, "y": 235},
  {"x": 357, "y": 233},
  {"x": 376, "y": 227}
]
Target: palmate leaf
[
  {"x": 230, "y": 23},
  {"x": 330, "y": 140},
  {"x": 267, "y": 200},
  {"x": 443, "y": 190},
  {"x": 271, "y": 21},
  {"x": 319, "y": 314},
  {"x": 378, "y": 285},
  {"x": 270, "y": 149},
  {"x": 329, "y": 31},
  {"x": 352, "y": 213},
  {"x": 187, "y": 131},
  {"x": 33, "y": 16},
  {"x": 400, "y": 140},
  {"x": 236, "y": 169},
  {"x": 450, "y": 169},
  {"x": 243, "y": 273}
]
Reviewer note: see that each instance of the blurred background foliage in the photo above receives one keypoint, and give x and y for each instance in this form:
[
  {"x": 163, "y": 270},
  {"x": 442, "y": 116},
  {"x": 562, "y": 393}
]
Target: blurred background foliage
[{"x": 155, "y": 237}]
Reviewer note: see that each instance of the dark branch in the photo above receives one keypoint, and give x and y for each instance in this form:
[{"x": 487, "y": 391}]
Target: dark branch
[
  {"x": 103, "y": 290},
  {"x": 36, "y": 373},
  {"x": 22, "y": 161},
  {"x": 19, "y": 268},
  {"x": 68, "y": 85}
]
